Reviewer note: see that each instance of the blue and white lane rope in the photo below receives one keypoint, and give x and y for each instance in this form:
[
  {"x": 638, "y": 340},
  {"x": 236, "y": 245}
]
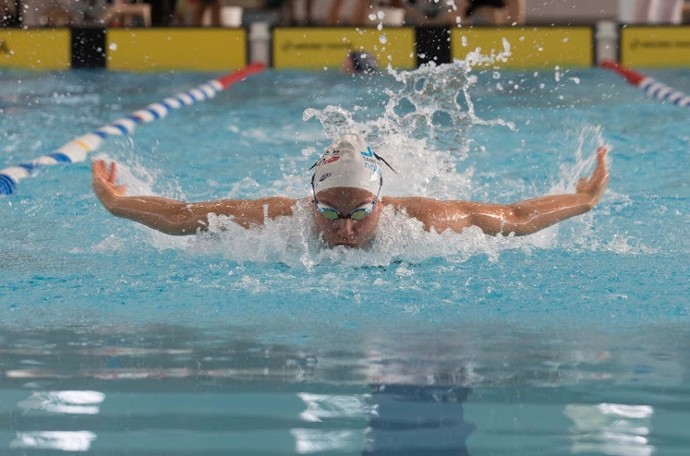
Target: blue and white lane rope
[
  {"x": 77, "y": 149},
  {"x": 650, "y": 86}
]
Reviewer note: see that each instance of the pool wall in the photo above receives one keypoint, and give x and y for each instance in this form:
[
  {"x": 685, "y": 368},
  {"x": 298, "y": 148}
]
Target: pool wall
[{"x": 319, "y": 48}]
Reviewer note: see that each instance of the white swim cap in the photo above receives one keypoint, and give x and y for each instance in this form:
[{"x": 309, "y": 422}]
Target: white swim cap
[{"x": 348, "y": 163}]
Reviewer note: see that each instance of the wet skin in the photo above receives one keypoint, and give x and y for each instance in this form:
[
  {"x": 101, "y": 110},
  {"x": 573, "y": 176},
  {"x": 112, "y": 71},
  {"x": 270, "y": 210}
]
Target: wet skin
[
  {"x": 520, "y": 218},
  {"x": 347, "y": 232}
]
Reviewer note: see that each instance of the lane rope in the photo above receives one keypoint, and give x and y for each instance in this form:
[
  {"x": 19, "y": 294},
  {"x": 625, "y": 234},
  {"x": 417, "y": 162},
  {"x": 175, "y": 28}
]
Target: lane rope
[
  {"x": 77, "y": 149},
  {"x": 650, "y": 86}
]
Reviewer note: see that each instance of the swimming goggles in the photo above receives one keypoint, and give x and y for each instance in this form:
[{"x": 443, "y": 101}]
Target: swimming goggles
[{"x": 357, "y": 214}]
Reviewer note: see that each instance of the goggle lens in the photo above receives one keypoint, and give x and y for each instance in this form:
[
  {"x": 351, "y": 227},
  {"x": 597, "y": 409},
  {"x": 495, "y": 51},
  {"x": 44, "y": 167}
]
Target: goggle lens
[
  {"x": 328, "y": 213},
  {"x": 357, "y": 214}
]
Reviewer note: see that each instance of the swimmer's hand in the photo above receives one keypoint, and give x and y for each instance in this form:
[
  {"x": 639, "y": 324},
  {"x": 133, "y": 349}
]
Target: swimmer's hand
[
  {"x": 103, "y": 179},
  {"x": 180, "y": 217},
  {"x": 166, "y": 215},
  {"x": 595, "y": 185}
]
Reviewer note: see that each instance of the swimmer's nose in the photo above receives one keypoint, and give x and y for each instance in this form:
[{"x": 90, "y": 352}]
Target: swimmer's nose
[{"x": 345, "y": 227}]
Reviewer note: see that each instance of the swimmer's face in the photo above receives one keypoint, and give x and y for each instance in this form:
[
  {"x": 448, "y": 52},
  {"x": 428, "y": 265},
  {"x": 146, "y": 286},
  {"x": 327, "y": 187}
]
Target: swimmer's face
[
  {"x": 347, "y": 231},
  {"x": 348, "y": 66}
]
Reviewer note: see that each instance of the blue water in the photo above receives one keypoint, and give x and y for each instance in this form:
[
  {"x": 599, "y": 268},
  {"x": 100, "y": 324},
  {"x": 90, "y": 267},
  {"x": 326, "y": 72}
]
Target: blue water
[{"x": 115, "y": 339}]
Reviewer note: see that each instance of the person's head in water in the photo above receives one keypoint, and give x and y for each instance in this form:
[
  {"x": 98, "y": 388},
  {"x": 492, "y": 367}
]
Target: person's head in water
[
  {"x": 346, "y": 188},
  {"x": 359, "y": 62}
]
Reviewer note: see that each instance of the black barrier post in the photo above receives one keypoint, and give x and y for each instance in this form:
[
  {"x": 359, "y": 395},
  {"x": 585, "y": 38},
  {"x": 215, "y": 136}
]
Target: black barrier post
[
  {"x": 88, "y": 47},
  {"x": 433, "y": 45}
]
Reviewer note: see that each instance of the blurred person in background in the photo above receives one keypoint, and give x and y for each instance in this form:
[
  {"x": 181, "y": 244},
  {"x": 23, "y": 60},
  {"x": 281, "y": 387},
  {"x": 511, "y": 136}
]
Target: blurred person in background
[
  {"x": 162, "y": 11},
  {"x": 197, "y": 9},
  {"x": 493, "y": 12},
  {"x": 295, "y": 12},
  {"x": 651, "y": 11},
  {"x": 433, "y": 12},
  {"x": 9, "y": 14},
  {"x": 430, "y": 12},
  {"x": 359, "y": 13}
]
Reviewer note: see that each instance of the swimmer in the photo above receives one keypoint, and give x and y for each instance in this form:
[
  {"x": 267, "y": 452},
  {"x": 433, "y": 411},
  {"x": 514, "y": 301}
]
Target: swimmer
[
  {"x": 359, "y": 62},
  {"x": 346, "y": 202}
]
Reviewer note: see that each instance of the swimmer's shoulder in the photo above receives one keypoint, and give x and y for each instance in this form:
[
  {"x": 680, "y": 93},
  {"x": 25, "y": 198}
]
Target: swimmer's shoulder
[
  {"x": 414, "y": 206},
  {"x": 438, "y": 215},
  {"x": 421, "y": 207},
  {"x": 400, "y": 202}
]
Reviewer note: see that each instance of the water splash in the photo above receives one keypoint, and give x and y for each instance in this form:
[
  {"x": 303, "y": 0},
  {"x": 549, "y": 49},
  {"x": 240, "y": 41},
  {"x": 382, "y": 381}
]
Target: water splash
[
  {"x": 588, "y": 139},
  {"x": 424, "y": 130},
  {"x": 431, "y": 104}
]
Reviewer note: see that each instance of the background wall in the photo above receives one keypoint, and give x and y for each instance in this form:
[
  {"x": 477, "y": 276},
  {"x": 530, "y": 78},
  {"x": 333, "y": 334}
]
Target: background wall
[
  {"x": 537, "y": 11},
  {"x": 576, "y": 11}
]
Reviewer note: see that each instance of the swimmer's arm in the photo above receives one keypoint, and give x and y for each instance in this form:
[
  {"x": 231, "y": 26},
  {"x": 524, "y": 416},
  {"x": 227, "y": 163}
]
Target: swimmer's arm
[
  {"x": 521, "y": 218},
  {"x": 178, "y": 217},
  {"x": 181, "y": 218}
]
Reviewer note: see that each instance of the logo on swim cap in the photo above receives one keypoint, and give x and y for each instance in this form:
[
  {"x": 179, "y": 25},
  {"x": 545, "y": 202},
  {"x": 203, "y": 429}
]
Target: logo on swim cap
[{"x": 348, "y": 162}]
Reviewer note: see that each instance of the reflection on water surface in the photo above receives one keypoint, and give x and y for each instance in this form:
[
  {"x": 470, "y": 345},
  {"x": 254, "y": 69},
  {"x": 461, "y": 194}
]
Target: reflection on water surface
[{"x": 181, "y": 390}]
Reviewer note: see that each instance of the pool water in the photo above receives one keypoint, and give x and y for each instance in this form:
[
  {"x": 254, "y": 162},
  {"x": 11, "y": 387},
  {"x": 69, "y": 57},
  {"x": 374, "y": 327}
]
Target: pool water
[{"x": 115, "y": 339}]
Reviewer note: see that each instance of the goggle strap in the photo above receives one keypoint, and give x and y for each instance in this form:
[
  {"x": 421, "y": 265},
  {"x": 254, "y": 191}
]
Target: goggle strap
[{"x": 380, "y": 158}]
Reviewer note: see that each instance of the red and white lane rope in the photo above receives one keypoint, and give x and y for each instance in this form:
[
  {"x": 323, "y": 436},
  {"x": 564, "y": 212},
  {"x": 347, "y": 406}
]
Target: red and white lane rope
[
  {"x": 650, "y": 86},
  {"x": 77, "y": 149}
]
